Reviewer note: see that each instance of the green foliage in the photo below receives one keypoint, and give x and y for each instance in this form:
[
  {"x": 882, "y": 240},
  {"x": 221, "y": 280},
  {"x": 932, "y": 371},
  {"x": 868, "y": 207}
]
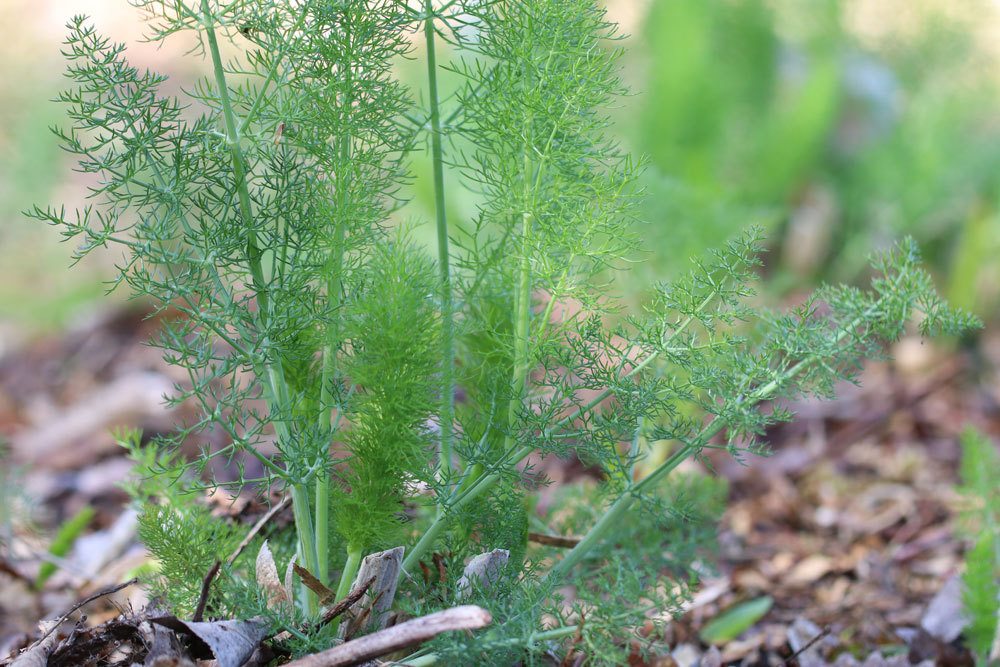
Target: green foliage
[
  {"x": 394, "y": 328},
  {"x": 833, "y": 138},
  {"x": 259, "y": 217},
  {"x": 186, "y": 541},
  {"x": 180, "y": 533},
  {"x": 980, "y": 468},
  {"x": 63, "y": 542},
  {"x": 731, "y": 623}
]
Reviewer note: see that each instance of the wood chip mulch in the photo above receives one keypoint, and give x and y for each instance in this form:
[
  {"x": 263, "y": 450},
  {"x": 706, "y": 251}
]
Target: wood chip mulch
[{"x": 850, "y": 527}]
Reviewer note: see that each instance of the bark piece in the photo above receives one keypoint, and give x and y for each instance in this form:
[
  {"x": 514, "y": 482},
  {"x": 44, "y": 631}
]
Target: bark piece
[
  {"x": 410, "y": 633},
  {"x": 371, "y": 612},
  {"x": 37, "y": 655},
  {"x": 231, "y": 643}
]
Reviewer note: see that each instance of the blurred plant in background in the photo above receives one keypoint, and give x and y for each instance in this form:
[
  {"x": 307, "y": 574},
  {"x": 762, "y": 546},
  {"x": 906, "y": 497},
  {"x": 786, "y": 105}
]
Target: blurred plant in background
[
  {"x": 837, "y": 141},
  {"x": 837, "y": 125}
]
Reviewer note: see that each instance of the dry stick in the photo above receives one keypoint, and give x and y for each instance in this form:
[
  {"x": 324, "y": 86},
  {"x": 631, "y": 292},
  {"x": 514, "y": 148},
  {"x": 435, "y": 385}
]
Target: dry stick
[
  {"x": 86, "y": 601},
  {"x": 410, "y": 633},
  {"x": 345, "y": 604},
  {"x": 823, "y": 633},
  {"x": 206, "y": 584},
  {"x": 256, "y": 529},
  {"x": 333, "y": 612},
  {"x": 553, "y": 540}
]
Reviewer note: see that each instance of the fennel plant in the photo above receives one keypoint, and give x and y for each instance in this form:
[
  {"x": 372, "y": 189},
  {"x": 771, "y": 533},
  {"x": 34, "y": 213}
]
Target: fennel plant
[{"x": 257, "y": 215}]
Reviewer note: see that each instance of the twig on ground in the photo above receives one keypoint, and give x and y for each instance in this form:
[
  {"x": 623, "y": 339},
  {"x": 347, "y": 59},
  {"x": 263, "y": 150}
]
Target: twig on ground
[
  {"x": 256, "y": 529},
  {"x": 345, "y": 604},
  {"x": 398, "y": 637},
  {"x": 808, "y": 645},
  {"x": 84, "y": 602}
]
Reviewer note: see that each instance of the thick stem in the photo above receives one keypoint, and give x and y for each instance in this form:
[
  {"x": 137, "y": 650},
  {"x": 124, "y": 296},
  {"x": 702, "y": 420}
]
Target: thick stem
[
  {"x": 273, "y": 378},
  {"x": 347, "y": 578},
  {"x": 335, "y": 299},
  {"x": 349, "y": 573},
  {"x": 303, "y": 528},
  {"x": 447, "y": 409},
  {"x": 325, "y": 412},
  {"x": 322, "y": 525},
  {"x": 522, "y": 305}
]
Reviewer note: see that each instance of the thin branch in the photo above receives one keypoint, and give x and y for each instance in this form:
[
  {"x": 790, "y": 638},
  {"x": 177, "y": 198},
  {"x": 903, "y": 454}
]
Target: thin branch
[
  {"x": 398, "y": 637},
  {"x": 553, "y": 540},
  {"x": 271, "y": 513},
  {"x": 86, "y": 601}
]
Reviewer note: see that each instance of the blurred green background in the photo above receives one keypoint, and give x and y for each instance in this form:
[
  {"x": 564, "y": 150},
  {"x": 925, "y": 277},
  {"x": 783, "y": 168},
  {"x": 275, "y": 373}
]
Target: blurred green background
[{"x": 837, "y": 125}]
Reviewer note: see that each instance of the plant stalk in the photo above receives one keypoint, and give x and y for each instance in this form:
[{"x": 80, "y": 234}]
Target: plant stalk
[
  {"x": 447, "y": 409},
  {"x": 274, "y": 378},
  {"x": 347, "y": 577}
]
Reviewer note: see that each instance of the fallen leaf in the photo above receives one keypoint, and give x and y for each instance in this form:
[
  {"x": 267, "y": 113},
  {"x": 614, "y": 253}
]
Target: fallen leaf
[
  {"x": 482, "y": 571},
  {"x": 267, "y": 578},
  {"x": 312, "y": 583},
  {"x": 809, "y": 570},
  {"x": 944, "y": 618},
  {"x": 231, "y": 643}
]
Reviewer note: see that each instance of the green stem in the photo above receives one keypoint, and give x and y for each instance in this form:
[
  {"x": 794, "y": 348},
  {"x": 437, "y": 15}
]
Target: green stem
[
  {"x": 482, "y": 484},
  {"x": 274, "y": 383},
  {"x": 335, "y": 296},
  {"x": 347, "y": 577},
  {"x": 322, "y": 525},
  {"x": 349, "y": 573},
  {"x": 325, "y": 412},
  {"x": 447, "y": 410},
  {"x": 522, "y": 305},
  {"x": 303, "y": 528}
]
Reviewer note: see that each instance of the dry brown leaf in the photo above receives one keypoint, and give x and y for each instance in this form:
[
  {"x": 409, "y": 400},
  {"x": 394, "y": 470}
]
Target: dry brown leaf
[
  {"x": 267, "y": 578},
  {"x": 809, "y": 570},
  {"x": 312, "y": 583}
]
